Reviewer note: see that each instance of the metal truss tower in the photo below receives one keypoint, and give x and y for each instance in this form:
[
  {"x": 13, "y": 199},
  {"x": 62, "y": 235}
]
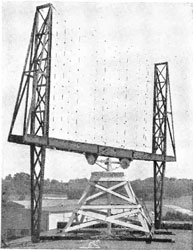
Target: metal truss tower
[
  {"x": 35, "y": 83},
  {"x": 162, "y": 121}
]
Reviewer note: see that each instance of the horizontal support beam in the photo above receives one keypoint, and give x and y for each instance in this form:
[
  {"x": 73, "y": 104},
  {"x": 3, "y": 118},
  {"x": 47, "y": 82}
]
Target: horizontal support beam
[
  {"x": 82, "y": 225},
  {"x": 48, "y": 5},
  {"x": 82, "y": 148},
  {"x": 88, "y": 207}
]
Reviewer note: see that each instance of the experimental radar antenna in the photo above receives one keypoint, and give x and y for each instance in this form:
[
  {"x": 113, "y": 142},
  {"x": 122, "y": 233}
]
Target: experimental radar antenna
[{"x": 34, "y": 90}]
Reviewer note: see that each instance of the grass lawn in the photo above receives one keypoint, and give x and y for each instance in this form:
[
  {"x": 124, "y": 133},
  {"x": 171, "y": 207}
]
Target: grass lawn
[{"x": 184, "y": 202}]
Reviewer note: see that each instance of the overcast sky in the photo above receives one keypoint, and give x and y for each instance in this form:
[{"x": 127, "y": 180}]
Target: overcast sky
[{"x": 145, "y": 33}]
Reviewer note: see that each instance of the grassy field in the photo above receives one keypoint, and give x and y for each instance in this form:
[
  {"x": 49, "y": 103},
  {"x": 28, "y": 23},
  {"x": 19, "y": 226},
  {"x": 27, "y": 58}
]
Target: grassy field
[{"x": 184, "y": 202}]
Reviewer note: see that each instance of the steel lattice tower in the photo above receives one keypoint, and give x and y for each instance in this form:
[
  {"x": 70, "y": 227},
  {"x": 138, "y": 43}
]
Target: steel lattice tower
[
  {"x": 159, "y": 135},
  {"x": 36, "y": 76}
]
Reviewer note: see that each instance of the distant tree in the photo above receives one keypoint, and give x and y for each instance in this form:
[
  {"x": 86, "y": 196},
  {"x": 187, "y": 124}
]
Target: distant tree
[
  {"x": 177, "y": 216},
  {"x": 5, "y": 194},
  {"x": 76, "y": 188},
  {"x": 18, "y": 187},
  {"x": 8, "y": 177},
  {"x": 21, "y": 183},
  {"x": 22, "y": 197}
]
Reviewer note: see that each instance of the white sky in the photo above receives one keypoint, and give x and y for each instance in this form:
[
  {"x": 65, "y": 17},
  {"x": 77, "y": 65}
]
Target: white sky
[{"x": 153, "y": 33}]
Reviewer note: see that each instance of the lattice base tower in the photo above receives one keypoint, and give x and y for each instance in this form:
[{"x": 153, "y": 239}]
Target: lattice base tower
[{"x": 109, "y": 199}]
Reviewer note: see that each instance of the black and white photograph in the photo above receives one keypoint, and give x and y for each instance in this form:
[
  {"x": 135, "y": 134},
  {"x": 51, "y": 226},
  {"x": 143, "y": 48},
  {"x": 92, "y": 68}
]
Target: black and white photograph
[{"x": 96, "y": 125}]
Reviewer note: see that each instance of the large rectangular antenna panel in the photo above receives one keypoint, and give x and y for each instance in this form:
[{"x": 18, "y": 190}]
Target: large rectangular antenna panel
[{"x": 101, "y": 84}]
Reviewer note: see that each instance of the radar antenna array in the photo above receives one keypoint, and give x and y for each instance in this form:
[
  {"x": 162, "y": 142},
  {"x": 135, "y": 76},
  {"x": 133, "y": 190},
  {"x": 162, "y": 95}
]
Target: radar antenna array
[{"x": 34, "y": 93}]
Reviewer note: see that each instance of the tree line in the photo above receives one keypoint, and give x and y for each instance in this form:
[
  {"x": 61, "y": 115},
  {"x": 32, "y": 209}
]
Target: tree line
[
  {"x": 18, "y": 187},
  {"x": 177, "y": 216}
]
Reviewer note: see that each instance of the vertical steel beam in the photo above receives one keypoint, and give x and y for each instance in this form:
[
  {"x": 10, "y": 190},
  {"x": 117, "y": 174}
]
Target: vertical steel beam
[
  {"x": 159, "y": 134},
  {"x": 37, "y": 158}
]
